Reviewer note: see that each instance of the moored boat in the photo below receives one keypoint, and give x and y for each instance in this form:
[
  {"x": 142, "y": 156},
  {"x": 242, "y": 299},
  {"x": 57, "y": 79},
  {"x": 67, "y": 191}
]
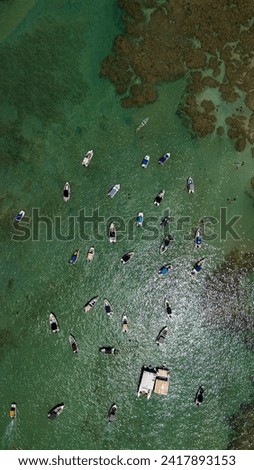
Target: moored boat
[
  {"x": 112, "y": 192},
  {"x": 55, "y": 411},
  {"x": 20, "y": 216},
  {"x": 159, "y": 197},
  {"x": 199, "y": 395},
  {"x": 125, "y": 326},
  {"x": 168, "y": 308},
  {"x": 87, "y": 158},
  {"x": 142, "y": 124},
  {"x": 66, "y": 192},
  {"x": 198, "y": 238},
  {"x": 190, "y": 185},
  {"x": 109, "y": 350},
  {"x": 162, "y": 335},
  {"x": 112, "y": 413},
  {"x": 54, "y": 325},
  {"x": 165, "y": 269},
  {"x": 90, "y": 254},
  {"x": 198, "y": 266},
  {"x": 74, "y": 257},
  {"x": 74, "y": 344},
  {"x": 145, "y": 161},
  {"x": 165, "y": 221},
  {"x": 13, "y": 410},
  {"x": 164, "y": 158},
  {"x": 125, "y": 258},
  {"x": 165, "y": 244},
  {"x": 140, "y": 219},
  {"x": 108, "y": 308},
  {"x": 89, "y": 305},
  {"x": 112, "y": 233},
  {"x": 147, "y": 381}
]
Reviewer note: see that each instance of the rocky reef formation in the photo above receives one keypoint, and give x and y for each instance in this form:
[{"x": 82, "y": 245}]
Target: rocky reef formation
[
  {"x": 213, "y": 46},
  {"x": 242, "y": 424}
]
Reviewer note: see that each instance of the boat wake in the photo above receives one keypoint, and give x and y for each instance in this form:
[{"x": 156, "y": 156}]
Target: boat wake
[{"x": 8, "y": 433}]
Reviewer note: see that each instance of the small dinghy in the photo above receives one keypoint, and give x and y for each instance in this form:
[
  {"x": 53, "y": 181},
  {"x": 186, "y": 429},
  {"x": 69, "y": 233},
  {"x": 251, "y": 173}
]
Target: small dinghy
[
  {"x": 112, "y": 233},
  {"x": 127, "y": 257},
  {"x": 74, "y": 257},
  {"x": 165, "y": 221},
  {"x": 112, "y": 413},
  {"x": 89, "y": 305},
  {"x": 162, "y": 335},
  {"x": 20, "y": 216},
  {"x": 159, "y": 197},
  {"x": 198, "y": 266},
  {"x": 54, "y": 325},
  {"x": 140, "y": 219},
  {"x": 74, "y": 344},
  {"x": 55, "y": 411},
  {"x": 66, "y": 192},
  {"x": 190, "y": 185},
  {"x": 87, "y": 158},
  {"x": 13, "y": 410},
  {"x": 165, "y": 269},
  {"x": 142, "y": 124},
  {"x": 108, "y": 308},
  {"x": 125, "y": 326},
  {"x": 145, "y": 161},
  {"x": 90, "y": 254},
  {"x": 114, "y": 190},
  {"x": 199, "y": 395},
  {"x": 109, "y": 350},
  {"x": 164, "y": 158},
  {"x": 198, "y": 238},
  {"x": 165, "y": 244},
  {"x": 168, "y": 308}
]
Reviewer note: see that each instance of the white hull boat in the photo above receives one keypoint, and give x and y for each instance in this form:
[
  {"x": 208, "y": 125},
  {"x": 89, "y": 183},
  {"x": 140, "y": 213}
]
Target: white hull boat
[
  {"x": 112, "y": 233},
  {"x": 87, "y": 158},
  {"x": 66, "y": 192},
  {"x": 114, "y": 190}
]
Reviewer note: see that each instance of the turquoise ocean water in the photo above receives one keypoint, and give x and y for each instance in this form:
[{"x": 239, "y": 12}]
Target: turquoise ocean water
[{"x": 54, "y": 107}]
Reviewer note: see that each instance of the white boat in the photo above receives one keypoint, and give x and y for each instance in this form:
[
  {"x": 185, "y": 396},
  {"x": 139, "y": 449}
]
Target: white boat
[
  {"x": 89, "y": 305},
  {"x": 55, "y": 411},
  {"x": 168, "y": 308},
  {"x": 145, "y": 161},
  {"x": 112, "y": 233},
  {"x": 54, "y": 325},
  {"x": 112, "y": 192},
  {"x": 165, "y": 244},
  {"x": 108, "y": 308},
  {"x": 109, "y": 350},
  {"x": 198, "y": 266},
  {"x": 20, "y": 216},
  {"x": 147, "y": 381},
  {"x": 87, "y": 158},
  {"x": 90, "y": 254},
  {"x": 125, "y": 326},
  {"x": 74, "y": 344},
  {"x": 142, "y": 124},
  {"x": 140, "y": 219},
  {"x": 13, "y": 410},
  {"x": 66, "y": 192},
  {"x": 127, "y": 257},
  {"x": 162, "y": 335},
  {"x": 159, "y": 197},
  {"x": 198, "y": 238},
  {"x": 199, "y": 395},
  {"x": 190, "y": 185},
  {"x": 112, "y": 413}
]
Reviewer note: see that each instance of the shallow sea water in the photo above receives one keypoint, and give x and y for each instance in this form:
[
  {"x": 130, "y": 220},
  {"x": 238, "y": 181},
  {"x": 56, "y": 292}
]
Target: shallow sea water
[{"x": 57, "y": 108}]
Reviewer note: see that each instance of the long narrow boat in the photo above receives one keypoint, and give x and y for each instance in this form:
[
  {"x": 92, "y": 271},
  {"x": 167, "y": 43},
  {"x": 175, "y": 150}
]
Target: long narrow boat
[
  {"x": 198, "y": 238},
  {"x": 90, "y": 254},
  {"x": 165, "y": 244},
  {"x": 74, "y": 257},
  {"x": 112, "y": 192},
  {"x": 142, "y": 124},
  {"x": 54, "y": 325},
  {"x": 125, "y": 326},
  {"x": 198, "y": 266},
  {"x": 74, "y": 344},
  {"x": 168, "y": 308},
  {"x": 66, "y": 192},
  {"x": 112, "y": 413},
  {"x": 140, "y": 219},
  {"x": 190, "y": 185},
  {"x": 164, "y": 158},
  {"x": 13, "y": 410},
  {"x": 112, "y": 233},
  {"x": 90, "y": 304},
  {"x": 87, "y": 158},
  {"x": 108, "y": 308},
  {"x": 55, "y": 411},
  {"x": 199, "y": 395},
  {"x": 162, "y": 335},
  {"x": 159, "y": 197},
  {"x": 109, "y": 350}
]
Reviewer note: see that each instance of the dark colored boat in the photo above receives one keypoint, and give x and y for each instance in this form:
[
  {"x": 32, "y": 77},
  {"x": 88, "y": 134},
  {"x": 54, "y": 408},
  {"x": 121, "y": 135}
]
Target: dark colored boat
[
  {"x": 127, "y": 257},
  {"x": 168, "y": 308},
  {"x": 159, "y": 197},
  {"x": 165, "y": 244},
  {"x": 162, "y": 335},
  {"x": 165, "y": 221},
  {"x": 55, "y": 411},
  {"x": 54, "y": 325},
  {"x": 73, "y": 344},
  {"x": 112, "y": 413},
  {"x": 108, "y": 308},
  {"x": 74, "y": 257},
  {"x": 109, "y": 350},
  {"x": 199, "y": 395}
]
